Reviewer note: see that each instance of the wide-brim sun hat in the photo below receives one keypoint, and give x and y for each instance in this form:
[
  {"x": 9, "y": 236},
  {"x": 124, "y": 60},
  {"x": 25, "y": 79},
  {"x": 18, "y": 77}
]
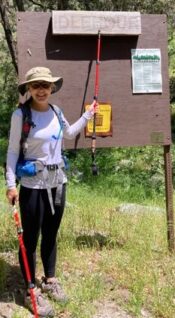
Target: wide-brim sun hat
[{"x": 40, "y": 74}]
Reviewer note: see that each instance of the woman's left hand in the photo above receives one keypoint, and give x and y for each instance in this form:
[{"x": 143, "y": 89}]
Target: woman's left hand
[{"x": 94, "y": 107}]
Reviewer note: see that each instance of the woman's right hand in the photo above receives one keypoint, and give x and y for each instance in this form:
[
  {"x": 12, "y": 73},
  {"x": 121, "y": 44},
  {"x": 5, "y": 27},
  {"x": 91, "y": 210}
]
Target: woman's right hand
[{"x": 12, "y": 195}]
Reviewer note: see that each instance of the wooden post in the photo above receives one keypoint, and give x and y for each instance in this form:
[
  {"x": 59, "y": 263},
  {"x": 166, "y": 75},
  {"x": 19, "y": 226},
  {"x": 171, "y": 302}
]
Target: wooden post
[{"x": 169, "y": 197}]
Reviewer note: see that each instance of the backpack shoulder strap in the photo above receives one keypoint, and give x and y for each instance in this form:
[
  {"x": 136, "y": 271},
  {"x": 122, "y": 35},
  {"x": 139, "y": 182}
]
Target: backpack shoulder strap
[
  {"x": 58, "y": 112},
  {"x": 27, "y": 123}
]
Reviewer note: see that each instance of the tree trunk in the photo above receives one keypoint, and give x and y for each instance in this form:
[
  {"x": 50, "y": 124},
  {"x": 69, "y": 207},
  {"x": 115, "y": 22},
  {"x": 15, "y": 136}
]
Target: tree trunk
[
  {"x": 20, "y": 5},
  {"x": 8, "y": 33}
]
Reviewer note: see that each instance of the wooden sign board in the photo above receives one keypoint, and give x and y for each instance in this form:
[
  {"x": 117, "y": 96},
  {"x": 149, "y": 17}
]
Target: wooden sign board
[
  {"x": 137, "y": 119},
  {"x": 90, "y": 22}
]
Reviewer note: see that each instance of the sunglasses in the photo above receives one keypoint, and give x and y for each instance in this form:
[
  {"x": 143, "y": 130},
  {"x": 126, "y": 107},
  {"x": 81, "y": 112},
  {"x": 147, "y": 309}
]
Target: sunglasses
[{"x": 37, "y": 85}]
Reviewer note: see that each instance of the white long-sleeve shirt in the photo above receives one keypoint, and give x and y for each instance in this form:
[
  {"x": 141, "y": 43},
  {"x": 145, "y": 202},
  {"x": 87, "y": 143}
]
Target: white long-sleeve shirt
[{"x": 43, "y": 144}]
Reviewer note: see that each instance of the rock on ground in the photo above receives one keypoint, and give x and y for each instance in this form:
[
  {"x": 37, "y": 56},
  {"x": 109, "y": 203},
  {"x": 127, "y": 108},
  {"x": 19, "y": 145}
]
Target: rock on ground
[{"x": 109, "y": 309}]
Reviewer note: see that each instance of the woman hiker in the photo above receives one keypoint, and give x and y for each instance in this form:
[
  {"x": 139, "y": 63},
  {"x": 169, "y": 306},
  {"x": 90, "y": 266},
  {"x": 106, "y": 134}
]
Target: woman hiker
[{"x": 42, "y": 180}]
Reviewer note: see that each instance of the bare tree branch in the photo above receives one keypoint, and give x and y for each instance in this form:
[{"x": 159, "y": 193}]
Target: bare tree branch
[
  {"x": 38, "y": 4},
  {"x": 8, "y": 33}
]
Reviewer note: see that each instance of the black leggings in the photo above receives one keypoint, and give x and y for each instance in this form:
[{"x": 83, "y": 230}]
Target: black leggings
[{"x": 36, "y": 216}]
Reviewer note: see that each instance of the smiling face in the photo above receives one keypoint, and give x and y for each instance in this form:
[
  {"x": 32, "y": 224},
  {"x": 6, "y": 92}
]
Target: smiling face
[{"x": 40, "y": 92}]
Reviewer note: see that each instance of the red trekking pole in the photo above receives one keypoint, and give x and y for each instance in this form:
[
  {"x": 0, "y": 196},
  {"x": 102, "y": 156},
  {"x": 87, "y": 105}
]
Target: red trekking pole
[
  {"x": 93, "y": 147},
  {"x": 24, "y": 257}
]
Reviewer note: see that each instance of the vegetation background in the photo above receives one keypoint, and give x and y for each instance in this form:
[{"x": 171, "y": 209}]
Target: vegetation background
[{"x": 110, "y": 251}]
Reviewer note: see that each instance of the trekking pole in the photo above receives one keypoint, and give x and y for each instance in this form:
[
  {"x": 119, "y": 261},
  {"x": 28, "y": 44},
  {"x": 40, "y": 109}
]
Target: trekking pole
[
  {"x": 93, "y": 146},
  {"x": 24, "y": 257}
]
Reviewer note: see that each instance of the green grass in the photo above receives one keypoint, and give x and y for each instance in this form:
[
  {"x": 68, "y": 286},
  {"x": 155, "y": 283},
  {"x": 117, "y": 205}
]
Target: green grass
[{"x": 102, "y": 251}]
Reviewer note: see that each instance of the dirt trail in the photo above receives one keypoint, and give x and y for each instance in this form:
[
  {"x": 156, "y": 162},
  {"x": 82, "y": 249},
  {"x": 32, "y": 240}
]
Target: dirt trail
[{"x": 11, "y": 300}]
